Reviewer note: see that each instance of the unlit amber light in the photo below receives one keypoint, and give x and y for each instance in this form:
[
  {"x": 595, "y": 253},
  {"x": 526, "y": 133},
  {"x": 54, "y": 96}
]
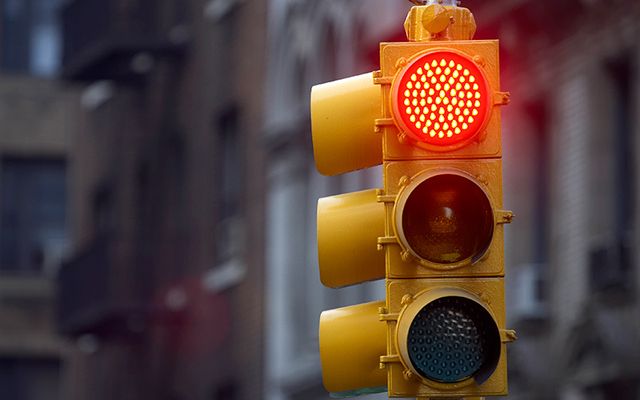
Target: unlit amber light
[{"x": 442, "y": 98}]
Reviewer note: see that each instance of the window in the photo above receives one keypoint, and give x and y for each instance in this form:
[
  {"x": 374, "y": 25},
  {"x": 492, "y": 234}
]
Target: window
[
  {"x": 31, "y": 38},
  {"x": 29, "y": 379},
  {"x": 611, "y": 253},
  {"x": 538, "y": 116},
  {"x": 103, "y": 210},
  {"x": 32, "y": 221},
  {"x": 226, "y": 391},
  {"x": 620, "y": 72},
  {"x": 229, "y": 184},
  {"x": 229, "y": 165}
]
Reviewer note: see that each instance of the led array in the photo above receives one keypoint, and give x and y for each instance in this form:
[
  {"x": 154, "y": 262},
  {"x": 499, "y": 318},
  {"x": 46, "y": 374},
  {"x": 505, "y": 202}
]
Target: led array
[{"x": 442, "y": 98}]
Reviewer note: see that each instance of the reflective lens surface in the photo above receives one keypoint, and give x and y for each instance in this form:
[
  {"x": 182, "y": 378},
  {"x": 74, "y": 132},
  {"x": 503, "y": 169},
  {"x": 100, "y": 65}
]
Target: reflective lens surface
[
  {"x": 447, "y": 219},
  {"x": 442, "y": 98},
  {"x": 452, "y": 339}
]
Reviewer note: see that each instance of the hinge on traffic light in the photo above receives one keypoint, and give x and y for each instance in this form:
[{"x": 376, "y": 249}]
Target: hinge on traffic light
[
  {"x": 508, "y": 335},
  {"x": 384, "y": 240},
  {"x": 386, "y": 198},
  {"x": 394, "y": 358},
  {"x": 384, "y": 315},
  {"x": 504, "y": 216},
  {"x": 382, "y": 80},
  {"x": 382, "y": 122},
  {"x": 501, "y": 98}
]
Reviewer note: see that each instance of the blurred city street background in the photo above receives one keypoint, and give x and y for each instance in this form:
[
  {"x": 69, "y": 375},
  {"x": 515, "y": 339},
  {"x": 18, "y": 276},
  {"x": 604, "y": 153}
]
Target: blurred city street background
[{"x": 158, "y": 194}]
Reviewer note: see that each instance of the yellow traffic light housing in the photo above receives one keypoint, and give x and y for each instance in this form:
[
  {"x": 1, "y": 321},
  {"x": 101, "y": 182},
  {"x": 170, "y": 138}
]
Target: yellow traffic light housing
[
  {"x": 434, "y": 231},
  {"x": 349, "y": 226},
  {"x": 351, "y": 342},
  {"x": 341, "y": 115}
]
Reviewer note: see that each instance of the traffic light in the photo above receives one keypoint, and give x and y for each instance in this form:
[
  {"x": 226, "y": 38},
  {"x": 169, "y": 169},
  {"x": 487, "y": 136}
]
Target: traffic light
[{"x": 434, "y": 231}]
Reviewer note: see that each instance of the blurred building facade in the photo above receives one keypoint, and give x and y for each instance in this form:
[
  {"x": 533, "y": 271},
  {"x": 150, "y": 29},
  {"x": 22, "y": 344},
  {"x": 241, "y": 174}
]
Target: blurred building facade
[
  {"x": 34, "y": 148},
  {"x": 193, "y": 194},
  {"x": 33, "y": 160},
  {"x": 162, "y": 296},
  {"x": 571, "y": 169}
]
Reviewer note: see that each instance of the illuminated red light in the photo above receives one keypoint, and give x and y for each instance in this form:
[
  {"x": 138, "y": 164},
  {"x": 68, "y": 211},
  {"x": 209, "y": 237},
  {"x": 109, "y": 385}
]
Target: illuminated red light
[{"x": 441, "y": 98}]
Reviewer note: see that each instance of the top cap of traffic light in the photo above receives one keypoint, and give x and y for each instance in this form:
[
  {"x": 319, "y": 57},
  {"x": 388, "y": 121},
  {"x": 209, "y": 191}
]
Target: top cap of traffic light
[{"x": 441, "y": 98}]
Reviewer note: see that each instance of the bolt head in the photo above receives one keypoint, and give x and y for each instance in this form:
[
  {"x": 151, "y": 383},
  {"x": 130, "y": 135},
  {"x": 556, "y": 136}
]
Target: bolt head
[{"x": 435, "y": 18}]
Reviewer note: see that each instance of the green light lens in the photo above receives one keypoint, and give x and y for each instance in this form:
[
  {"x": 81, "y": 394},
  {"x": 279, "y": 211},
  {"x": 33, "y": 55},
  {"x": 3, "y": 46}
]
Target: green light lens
[{"x": 452, "y": 339}]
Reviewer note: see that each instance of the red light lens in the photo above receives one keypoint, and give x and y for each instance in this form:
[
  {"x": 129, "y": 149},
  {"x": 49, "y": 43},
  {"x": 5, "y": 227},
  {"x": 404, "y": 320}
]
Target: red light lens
[{"x": 441, "y": 98}]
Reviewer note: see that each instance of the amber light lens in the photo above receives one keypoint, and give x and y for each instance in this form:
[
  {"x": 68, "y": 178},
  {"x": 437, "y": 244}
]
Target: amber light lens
[
  {"x": 447, "y": 219},
  {"x": 441, "y": 98}
]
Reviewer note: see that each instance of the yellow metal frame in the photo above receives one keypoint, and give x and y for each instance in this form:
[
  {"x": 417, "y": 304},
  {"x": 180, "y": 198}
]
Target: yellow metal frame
[{"x": 406, "y": 163}]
